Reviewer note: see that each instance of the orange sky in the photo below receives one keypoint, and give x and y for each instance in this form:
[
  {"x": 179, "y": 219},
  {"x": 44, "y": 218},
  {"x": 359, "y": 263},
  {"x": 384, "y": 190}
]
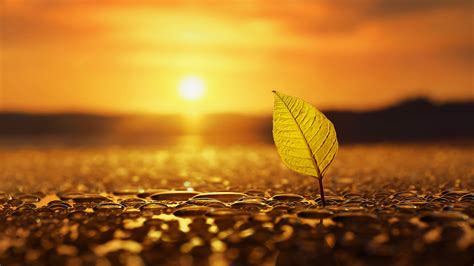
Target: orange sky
[{"x": 129, "y": 56}]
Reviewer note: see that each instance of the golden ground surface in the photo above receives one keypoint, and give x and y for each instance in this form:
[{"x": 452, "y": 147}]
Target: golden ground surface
[{"x": 400, "y": 204}]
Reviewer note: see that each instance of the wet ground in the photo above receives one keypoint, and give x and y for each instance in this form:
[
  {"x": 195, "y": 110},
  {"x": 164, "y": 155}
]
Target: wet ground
[{"x": 386, "y": 205}]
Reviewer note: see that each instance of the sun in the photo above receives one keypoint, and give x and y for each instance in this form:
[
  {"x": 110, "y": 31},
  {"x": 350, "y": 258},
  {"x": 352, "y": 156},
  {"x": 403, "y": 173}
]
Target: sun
[{"x": 191, "y": 88}]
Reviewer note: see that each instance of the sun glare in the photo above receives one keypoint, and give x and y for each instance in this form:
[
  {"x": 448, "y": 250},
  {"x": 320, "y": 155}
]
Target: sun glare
[{"x": 191, "y": 88}]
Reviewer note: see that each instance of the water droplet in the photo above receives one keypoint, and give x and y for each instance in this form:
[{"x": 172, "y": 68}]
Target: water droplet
[
  {"x": 446, "y": 216},
  {"x": 153, "y": 207},
  {"x": 206, "y": 202},
  {"x": 222, "y": 196},
  {"x": 225, "y": 212},
  {"x": 174, "y": 195},
  {"x": 89, "y": 198},
  {"x": 108, "y": 206},
  {"x": 467, "y": 198},
  {"x": 133, "y": 202},
  {"x": 192, "y": 211},
  {"x": 127, "y": 191},
  {"x": 250, "y": 205},
  {"x": 287, "y": 197},
  {"x": 315, "y": 214},
  {"x": 355, "y": 217}
]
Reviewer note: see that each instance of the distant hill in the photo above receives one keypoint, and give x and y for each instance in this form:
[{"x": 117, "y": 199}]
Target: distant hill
[{"x": 410, "y": 120}]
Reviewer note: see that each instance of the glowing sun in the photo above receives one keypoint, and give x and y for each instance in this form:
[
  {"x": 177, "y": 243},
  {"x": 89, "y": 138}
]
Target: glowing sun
[{"x": 191, "y": 88}]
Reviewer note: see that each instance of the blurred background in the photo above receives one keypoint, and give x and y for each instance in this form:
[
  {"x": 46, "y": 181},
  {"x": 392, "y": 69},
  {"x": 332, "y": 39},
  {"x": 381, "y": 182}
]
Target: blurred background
[{"x": 149, "y": 71}]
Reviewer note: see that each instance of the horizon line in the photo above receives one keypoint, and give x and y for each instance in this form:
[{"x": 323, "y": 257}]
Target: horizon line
[{"x": 258, "y": 114}]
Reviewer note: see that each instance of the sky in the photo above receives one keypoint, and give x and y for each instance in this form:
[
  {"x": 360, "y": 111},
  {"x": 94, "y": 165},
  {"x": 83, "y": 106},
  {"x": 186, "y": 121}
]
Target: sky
[{"x": 130, "y": 56}]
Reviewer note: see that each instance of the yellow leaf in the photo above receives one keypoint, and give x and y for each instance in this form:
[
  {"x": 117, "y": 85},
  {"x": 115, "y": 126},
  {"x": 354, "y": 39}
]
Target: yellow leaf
[{"x": 306, "y": 140}]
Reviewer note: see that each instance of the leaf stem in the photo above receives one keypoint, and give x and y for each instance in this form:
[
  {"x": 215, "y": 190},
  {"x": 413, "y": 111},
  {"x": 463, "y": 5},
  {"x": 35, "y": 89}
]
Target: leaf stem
[{"x": 321, "y": 191}]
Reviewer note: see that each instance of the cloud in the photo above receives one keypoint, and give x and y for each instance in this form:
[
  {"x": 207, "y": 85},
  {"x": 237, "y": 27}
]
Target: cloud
[
  {"x": 389, "y": 8},
  {"x": 40, "y": 19},
  {"x": 342, "y": 17},
  {"x": 98, "y": 46}
]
